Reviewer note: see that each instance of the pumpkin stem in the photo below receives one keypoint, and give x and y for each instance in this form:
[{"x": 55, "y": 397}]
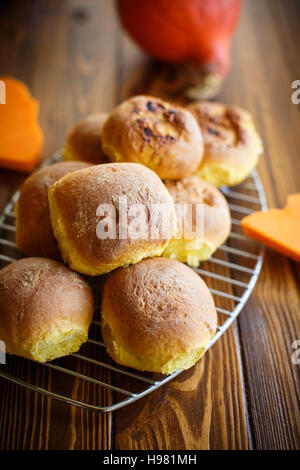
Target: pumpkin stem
[{"x": 208, "y": 86}]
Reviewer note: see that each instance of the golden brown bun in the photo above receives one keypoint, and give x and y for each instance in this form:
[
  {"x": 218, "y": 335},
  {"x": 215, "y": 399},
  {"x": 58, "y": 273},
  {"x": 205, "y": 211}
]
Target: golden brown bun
[
  {"x": 231, "y": 144},
  {"x": 214, "y": 216},
  {"x": 157, "y": 315},
  {"x": 84, "y": 141},
  {"x": 34, "y": 234},
  {"x": 73, "y": 205},
  {"x": 160, "y": 135},
  {"x": 45, "y": 309}
]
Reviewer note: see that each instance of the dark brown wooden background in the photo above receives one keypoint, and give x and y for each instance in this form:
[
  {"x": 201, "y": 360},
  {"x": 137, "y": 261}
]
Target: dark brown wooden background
[{"x": 245, "y": 393}]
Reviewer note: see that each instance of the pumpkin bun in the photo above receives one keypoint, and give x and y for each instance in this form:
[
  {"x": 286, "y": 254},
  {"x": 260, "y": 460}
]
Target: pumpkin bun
[
  {"x": 231, "y": 144},
  {"x": 160, "y": 135},
  {"x": 45, "y": 309},
  {"x": 84, "y": 141},
  {"x": 157, "y": 316},
  {"x": 88, "y": 223},
  {"x": 198, "y": 243},
  {"x": 34, "y": 235}
]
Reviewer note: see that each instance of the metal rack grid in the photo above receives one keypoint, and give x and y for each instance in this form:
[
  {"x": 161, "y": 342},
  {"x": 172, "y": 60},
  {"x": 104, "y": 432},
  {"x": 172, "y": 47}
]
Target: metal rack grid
[{"x": 231, "y": 275}]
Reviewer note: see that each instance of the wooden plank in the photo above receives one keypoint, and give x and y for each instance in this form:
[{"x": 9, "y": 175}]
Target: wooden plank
[
  {"x": 261, "y": 81},
  {"x": 60, "y": 49}
]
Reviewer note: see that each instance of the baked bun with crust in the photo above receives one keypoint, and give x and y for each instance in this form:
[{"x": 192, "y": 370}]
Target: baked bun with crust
[
  {"x": 45, "y": 309},
  {"x": 34, "y": 235},
  {"x": 214, "y": 222},
  {"x": 160, "y": 135},
  {"x": 232, "y": 145},
  {"x": 78, "y": 215},
  {"x": 84, "y": 141},
  {"x": 157, "y": 315}
]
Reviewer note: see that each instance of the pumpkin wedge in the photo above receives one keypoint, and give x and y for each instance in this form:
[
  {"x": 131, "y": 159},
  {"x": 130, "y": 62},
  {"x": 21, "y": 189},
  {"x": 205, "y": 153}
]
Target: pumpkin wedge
[
  {"x": 277, "y": 228},
  {"x": 21, "y": 138}
]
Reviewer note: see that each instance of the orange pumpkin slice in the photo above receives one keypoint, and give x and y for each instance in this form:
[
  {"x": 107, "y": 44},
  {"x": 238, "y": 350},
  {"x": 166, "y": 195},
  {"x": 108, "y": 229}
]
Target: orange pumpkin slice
[
  {"x": 277, "y": 228},
  {"x": 21, "y": 138}
]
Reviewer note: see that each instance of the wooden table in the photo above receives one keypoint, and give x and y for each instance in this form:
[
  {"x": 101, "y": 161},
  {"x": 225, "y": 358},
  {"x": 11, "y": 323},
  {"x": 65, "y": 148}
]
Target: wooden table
[{"x": 245, "y": 393}]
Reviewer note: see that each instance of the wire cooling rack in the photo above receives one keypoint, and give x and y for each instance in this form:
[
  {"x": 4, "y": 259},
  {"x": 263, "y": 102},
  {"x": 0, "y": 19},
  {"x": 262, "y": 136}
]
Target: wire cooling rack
[{"x": 230, "y": 274}]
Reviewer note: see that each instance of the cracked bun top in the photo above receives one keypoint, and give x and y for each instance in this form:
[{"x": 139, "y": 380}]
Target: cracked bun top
[
  {"x": 231, "y": 143},
  {"x": 163, "y": 136}
]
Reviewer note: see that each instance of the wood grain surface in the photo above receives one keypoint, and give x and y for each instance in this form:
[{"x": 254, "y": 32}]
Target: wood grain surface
[{"x": 245, "y": 392}]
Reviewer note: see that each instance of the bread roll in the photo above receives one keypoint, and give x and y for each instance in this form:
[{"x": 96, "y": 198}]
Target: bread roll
[
  {"x": 45, "y": 309},
  {"x": 231, "y": 144},
  {"x": 157, "y": 315},
  {"x": 34, "y": 235},
  {"x": 75, "y": 201},
  {"x": 84, "y": 141},
  {"x": 194, "y": 244},
  {"x": 160, "y": 135}
]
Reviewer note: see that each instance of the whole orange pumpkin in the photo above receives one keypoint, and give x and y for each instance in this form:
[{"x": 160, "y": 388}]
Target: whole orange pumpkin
[{"x": 198, "y": 31}]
